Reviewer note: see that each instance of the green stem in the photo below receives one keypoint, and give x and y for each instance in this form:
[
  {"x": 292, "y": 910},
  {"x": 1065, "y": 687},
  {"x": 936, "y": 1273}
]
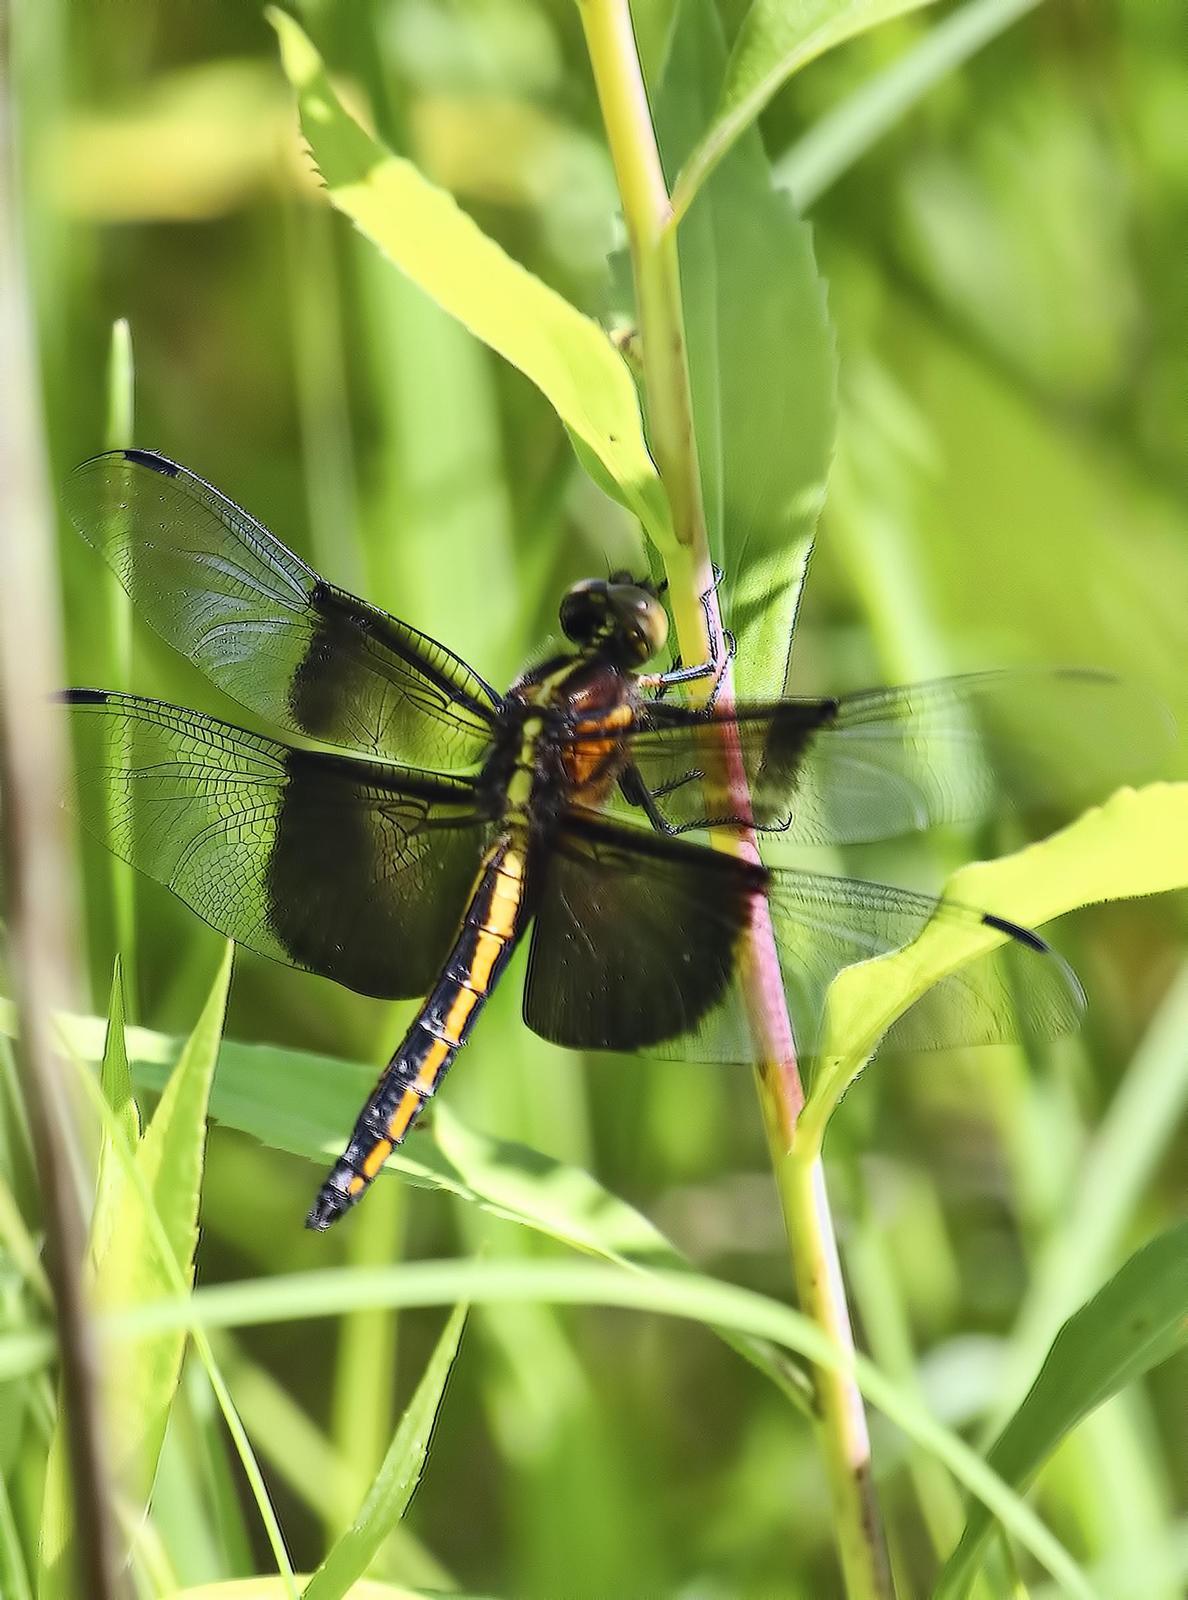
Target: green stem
[
  {"x": 845, "y": 1441},
  {"x": 119, "y": 434},
  {"x": 37, "y": 866},
  {"x": 647, "y": 212}
]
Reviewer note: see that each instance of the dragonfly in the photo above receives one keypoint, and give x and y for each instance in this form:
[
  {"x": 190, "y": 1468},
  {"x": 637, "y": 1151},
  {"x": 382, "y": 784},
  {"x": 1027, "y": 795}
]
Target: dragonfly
[{"x": 424, "y": 824}]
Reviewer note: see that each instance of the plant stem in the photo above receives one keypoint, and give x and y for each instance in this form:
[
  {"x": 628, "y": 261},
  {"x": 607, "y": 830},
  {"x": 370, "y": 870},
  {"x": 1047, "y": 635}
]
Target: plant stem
[
  {"x": 799, "y": 1176},
  {"x": 37, "y": 869},
  {"x": 119, "y": 434}
]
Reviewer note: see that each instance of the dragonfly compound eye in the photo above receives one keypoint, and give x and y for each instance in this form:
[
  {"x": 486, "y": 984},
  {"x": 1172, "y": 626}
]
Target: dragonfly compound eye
[
  {"x": 584, "y": 610},
  {"x": 642, "y": 622}
]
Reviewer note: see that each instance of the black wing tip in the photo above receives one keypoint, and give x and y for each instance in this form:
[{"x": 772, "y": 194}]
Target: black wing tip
[
  {"x": 81, "y": 697},
  {"x": 152, "y": 459},
  {"x": 1014, "y": 931}
]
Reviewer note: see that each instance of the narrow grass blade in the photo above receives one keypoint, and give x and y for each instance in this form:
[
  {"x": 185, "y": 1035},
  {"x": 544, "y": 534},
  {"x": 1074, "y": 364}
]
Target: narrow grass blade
[
  {"x": 126, "y": 1266},
  {"x": 775, "y": 41},
  {"x": 121, "y": 384},
  {"x": 696, "y": 1298},
  {"x": 119, "y": 434},
  {"x": 840, "y": 139},
  {"x": 177, "y": 1274},
  {"x": 397, "y": 1478},
  {"x": 1137, "y": 1320},
  {"x": 115, "y": 1083},
  {"x": 301, "y": 1456},
  {"x": 1120, "y": 1161}
]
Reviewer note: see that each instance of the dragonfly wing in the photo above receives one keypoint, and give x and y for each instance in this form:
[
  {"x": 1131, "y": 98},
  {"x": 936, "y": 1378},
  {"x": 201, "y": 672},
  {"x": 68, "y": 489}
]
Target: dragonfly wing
[
  {"x": 635, "y": 944},
  {"x": 217, "y": 586},
  {"x": 888, "y": 762},
  {"x": 348, "y": 868},
  {"x": 638, "y": 940}
]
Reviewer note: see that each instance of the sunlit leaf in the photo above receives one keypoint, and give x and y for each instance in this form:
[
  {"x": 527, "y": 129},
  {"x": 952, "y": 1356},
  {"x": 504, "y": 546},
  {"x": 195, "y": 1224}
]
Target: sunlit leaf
[
  {"x": 1134, "y": 844},
  {"x": 398, "y": 1476},
  {"x": 422, "y": 230},
  {"x": 1136, "y": 1321},
  {"x": 777, "y": 39}
]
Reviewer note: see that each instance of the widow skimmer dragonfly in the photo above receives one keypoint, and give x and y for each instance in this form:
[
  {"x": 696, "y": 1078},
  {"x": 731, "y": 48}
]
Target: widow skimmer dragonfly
[{"x": 445, "y": 819}]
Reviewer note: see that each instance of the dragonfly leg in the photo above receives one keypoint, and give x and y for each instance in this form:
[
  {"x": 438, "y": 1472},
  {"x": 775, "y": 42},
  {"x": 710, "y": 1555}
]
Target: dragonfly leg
[
  {"x": 678, "y": 673},
  {"x": 636, "y": 792}
]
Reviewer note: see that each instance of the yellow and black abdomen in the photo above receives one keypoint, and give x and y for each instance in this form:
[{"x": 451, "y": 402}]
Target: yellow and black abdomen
[{"x": 494, "y": 920}]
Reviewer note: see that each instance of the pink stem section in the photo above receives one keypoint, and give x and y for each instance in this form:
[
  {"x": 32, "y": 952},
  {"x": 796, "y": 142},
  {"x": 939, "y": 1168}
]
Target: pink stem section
[{"x": 623, "y": 98}]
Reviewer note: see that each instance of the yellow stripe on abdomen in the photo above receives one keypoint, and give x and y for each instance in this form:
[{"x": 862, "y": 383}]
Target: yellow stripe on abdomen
[
  {"x": 463, "y": 1004},
  {"x": 488, "y": 929}
]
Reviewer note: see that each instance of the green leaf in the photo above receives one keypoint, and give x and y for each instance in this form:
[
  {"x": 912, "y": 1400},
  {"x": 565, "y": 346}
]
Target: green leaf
[
  {"x": 841, "y": 138},
  {"x": 127, "y": 1266},
  {"x": 1119, "y": 1163},
  {"x": 777, "y": 38},
  {"x": 57, "y": 1519},
  {"x": 297, "y": 1296},
  {"x": 563, "y": 1202},
  {"x": 423, "y": 232},
  {"x": 762, "y": 365},
  {"x": 130, "y": 1271},
  {"x": 704, "y": 1300},
  {"x": 566, "y": 1204},
  {"x": 292, "y": 1100},
  {"x": 306, "y": 1104},
  {"x": 1136, "y": 1321},
  {"x": 1134, "y": 844},
  {"x": 398, "y": 1476},
  {"x": 115, "y": 1082}
]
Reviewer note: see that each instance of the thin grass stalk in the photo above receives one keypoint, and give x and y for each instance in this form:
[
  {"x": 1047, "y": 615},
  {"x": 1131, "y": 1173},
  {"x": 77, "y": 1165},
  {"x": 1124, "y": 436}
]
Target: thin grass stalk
[
  {"x": 651, "y": 230},
  {"x": 838, "y": 140},
  {"x": 119, "y": 434},
  {"x": 257, "y": 1487},
  {"x": 33, "y": 765}
]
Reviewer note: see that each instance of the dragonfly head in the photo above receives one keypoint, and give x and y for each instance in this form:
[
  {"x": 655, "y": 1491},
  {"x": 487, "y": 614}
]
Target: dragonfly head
[{"x": 620, "y": 616}]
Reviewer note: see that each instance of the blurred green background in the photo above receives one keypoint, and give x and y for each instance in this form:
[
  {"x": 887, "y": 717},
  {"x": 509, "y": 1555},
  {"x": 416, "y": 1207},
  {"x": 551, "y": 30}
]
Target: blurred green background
[{"x": 1006, "y": 278}]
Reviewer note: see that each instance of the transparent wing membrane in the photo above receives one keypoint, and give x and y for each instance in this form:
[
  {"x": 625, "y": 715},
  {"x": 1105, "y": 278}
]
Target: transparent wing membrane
[
  {"x": 637, "y": 938},
  {"x": 888, "y": 762},
  {"x": 218, "y": 587}
]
